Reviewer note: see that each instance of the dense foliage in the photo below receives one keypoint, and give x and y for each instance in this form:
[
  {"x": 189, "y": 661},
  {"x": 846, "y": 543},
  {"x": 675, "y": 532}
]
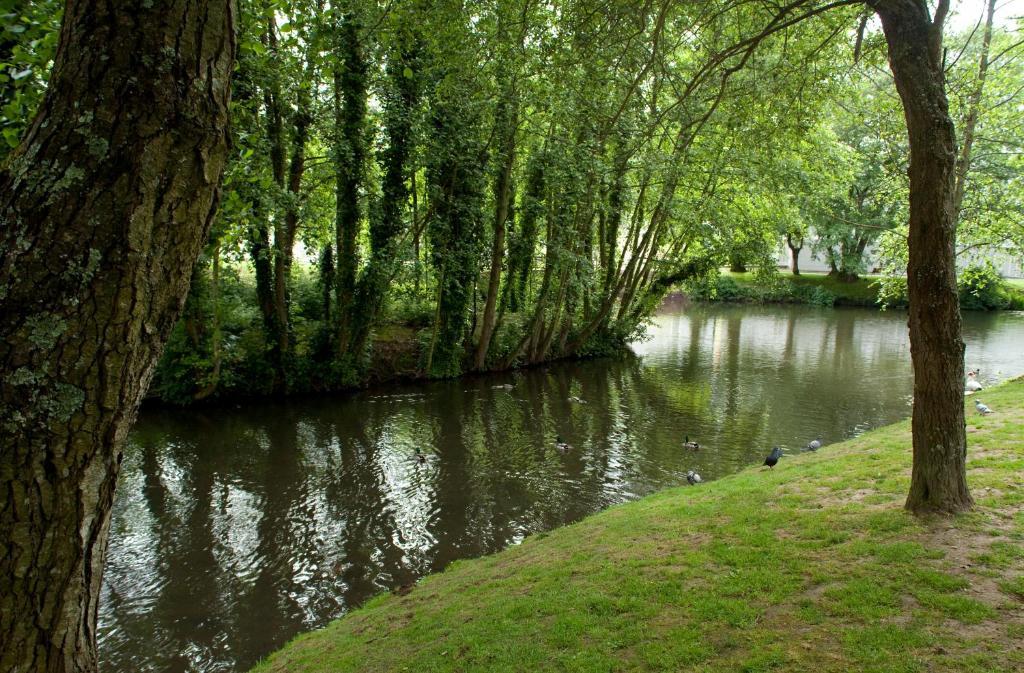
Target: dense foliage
[{"x": 423, "y": 189}]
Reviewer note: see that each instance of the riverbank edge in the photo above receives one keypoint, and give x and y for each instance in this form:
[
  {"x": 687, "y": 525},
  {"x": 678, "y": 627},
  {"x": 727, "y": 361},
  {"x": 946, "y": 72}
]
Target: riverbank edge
[
  {"x": 813, "y": 566},
  {"x": 383, "y": 372},
  {"x": 821, "y": 289}
]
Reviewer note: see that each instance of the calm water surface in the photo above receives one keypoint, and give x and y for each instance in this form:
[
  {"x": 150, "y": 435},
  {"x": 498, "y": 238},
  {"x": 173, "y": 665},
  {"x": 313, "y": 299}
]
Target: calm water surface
[{"x": 235, "y": 529}]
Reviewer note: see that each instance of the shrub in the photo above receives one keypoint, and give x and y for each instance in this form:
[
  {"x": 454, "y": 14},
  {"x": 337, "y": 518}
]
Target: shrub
[
  {"x": 982, "y": 288},
  {"x": 727, "y": 289},
  {"x": 892, "y": 291},
  {"x": 820, "y": 296}
]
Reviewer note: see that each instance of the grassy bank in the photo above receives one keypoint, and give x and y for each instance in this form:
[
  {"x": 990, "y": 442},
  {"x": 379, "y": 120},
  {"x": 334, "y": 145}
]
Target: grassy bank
[
  {"x": 814, "y": 566},
  {"x": 807, "y": 288},
  {"x": 824, "y": 290}
]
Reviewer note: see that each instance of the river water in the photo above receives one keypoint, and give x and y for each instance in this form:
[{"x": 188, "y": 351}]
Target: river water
[{"x": 237, "y": 528}]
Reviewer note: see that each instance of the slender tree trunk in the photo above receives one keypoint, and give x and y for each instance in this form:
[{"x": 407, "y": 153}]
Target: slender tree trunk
[
  {"x": 284, "y": 237},
  {"x": 104, "y": 208},
  {"x": 963, "y": 163},
  {"x": 262, "y": 254},
  {"x": 272, "y": 293},
  {"x": 326, "y": 281},
  {"x": 215, "y": 336},
  {"x": 938, "y": 481},
  {"x": 794, "y": 254},
  {"x": 502, "y": 193},
  {"x": 416, "y": 233}
]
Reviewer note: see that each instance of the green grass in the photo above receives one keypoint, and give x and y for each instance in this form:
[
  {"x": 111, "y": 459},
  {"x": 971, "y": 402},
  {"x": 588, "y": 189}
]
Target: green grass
[
  {"x": 861, "y": 292},
  {"x": 806, "y": 288},
  {"x": 814, "y": 566},
  {"x": 1015, "y": 293}
]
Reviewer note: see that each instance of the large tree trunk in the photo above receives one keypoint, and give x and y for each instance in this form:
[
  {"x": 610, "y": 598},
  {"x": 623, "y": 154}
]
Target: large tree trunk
[
  {"x": 104, "y": 208},
  {"x": 938, "y": 481}
]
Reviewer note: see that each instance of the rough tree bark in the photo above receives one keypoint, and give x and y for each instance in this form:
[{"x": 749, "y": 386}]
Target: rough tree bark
[
  {"x": 938, "y": 480},
  {"x": 103, "y": 210}
]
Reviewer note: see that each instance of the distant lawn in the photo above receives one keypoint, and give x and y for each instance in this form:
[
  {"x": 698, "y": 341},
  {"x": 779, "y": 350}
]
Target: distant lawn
[
  {"x": 861, "y": 292},
  {"x": 1015, "y": 293},
  {"x": 812, "y": 567}
]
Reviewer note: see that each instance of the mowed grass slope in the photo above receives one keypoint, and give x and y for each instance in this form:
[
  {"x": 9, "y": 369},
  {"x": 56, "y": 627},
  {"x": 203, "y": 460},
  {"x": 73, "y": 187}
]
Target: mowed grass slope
[{"x": 814, "y": 566}]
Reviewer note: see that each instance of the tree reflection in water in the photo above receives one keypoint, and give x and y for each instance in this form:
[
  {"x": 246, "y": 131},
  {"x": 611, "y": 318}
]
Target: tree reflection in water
[{"x": 237, "y": 528}]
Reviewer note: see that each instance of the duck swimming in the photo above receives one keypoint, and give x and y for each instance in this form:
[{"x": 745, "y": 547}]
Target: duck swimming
[
  {"x": 690, "y": 445},
  {"x": 561, "y": 444}
]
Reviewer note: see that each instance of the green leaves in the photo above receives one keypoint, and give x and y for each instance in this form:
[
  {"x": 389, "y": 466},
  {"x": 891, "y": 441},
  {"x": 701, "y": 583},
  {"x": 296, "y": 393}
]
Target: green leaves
[{"x": 28, "y": 41}]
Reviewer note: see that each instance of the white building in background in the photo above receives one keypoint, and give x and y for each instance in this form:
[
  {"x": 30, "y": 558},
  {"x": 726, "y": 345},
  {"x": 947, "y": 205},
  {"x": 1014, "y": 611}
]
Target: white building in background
[{"x": 1007, "y": 264}]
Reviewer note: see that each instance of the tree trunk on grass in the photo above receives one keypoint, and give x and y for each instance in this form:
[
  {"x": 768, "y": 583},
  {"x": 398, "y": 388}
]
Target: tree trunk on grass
[
  {"x": 938, "y": 480},
  {"x": 104, "y": 208},
  {"x": 794, "y": 253}
]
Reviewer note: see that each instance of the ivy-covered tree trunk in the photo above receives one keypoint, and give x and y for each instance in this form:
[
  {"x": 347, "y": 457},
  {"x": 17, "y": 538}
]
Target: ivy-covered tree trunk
[
  {"x": 400, "y": 103},
  {"x": 104, "y": 208},
  {"x": 938, "y": 480},
  {"x": 350, "y": 75},
  {"x": 455, "y": 183},
  {"x": 523, "y": 242}
]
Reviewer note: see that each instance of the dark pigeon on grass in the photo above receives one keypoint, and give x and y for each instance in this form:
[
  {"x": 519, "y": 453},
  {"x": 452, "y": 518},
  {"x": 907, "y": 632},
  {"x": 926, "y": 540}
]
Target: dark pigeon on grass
[{"x": 773, "y": 458}]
